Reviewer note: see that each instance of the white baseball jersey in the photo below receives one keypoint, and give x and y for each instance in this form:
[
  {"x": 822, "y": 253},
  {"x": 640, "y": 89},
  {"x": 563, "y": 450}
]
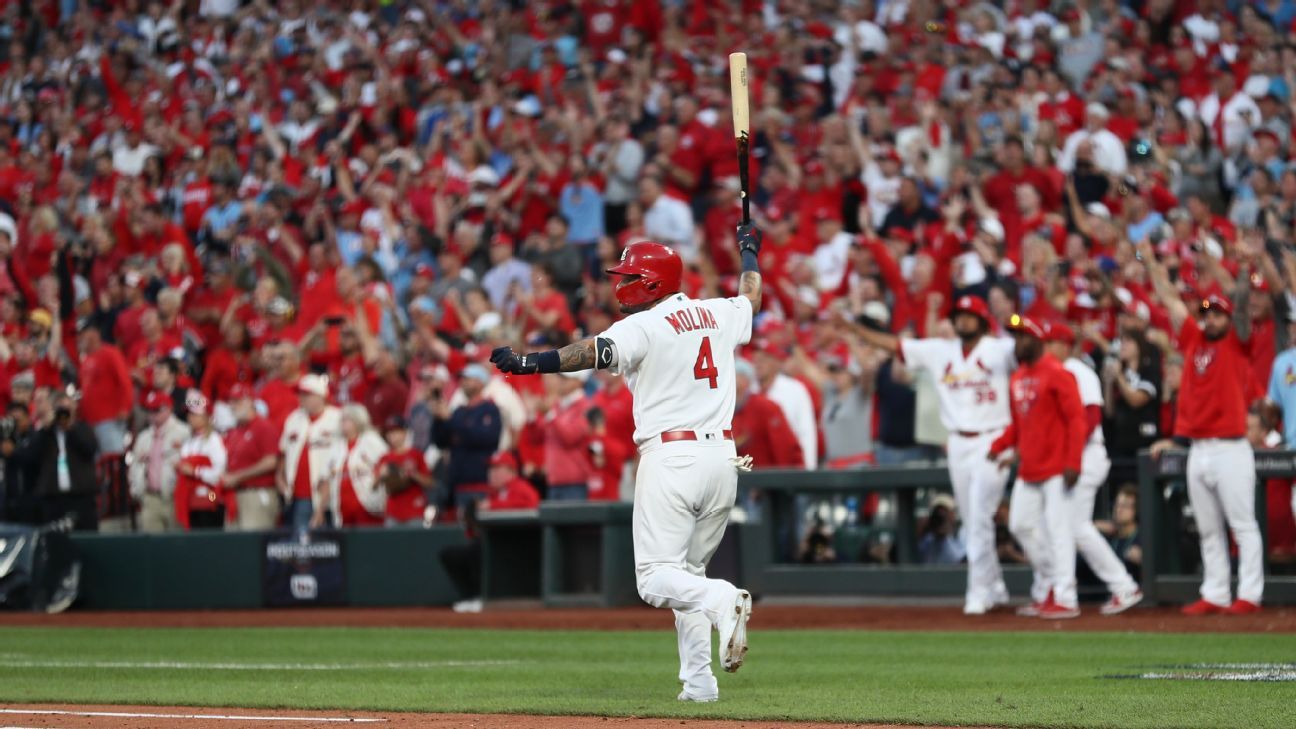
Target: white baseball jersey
[
  {"x": 678, "y": 360},
  {"x": 1091, "y": 392},
  {"x": 973, "y": 389}
]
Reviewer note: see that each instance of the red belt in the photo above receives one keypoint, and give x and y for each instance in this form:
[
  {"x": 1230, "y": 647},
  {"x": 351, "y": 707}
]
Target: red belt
[
  {"x": 671, "y": 436},
  {"x": 970, "y": 434}
]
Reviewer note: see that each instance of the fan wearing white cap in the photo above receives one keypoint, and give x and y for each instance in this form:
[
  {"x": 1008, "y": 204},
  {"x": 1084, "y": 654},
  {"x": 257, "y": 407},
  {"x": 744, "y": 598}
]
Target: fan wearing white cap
[
  {"x": 308, "y": 447},
  {"x": 1108, "y": 152},
  {"x": 201, "y": 468}
]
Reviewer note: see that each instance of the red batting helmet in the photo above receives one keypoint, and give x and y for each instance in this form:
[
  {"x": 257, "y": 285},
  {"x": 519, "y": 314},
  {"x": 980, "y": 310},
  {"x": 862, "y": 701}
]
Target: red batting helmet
[
  {"x": 1021, "y": 325},
  {"x": 973, "y": 305},
  {"x": 652, "y": 272}
]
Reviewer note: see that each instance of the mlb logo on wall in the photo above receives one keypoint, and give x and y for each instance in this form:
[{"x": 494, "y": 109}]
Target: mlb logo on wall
[
  {"x": 304, "y": 568},
  {"x": 303, "y": 587}
]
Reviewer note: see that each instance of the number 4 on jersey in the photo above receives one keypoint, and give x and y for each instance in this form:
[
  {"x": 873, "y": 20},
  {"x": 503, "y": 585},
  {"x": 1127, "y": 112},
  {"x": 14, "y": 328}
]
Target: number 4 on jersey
[{"x": 704, "y": 368}]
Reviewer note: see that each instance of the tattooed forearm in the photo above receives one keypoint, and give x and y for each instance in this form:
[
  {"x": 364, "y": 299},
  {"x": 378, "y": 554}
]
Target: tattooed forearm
[
  {"x": 749, "y": 285},
  {"x": 577, "y": 356}
]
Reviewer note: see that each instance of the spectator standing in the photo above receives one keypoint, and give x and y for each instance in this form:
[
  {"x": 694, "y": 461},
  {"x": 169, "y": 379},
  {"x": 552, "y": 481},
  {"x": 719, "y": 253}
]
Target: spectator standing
[
  {"x": 791, "y": 396},
  {"x": 1131, "y": 402},
  {"x": 468, "y": 436},
  {"x": 386, "y": 396},
  {"x": 362, "y": 499},
  {"x": 846, "y": 380},
  {"x": 581, "y": 205},
  {"x": 200, "y": 501},
  {"x": 404, "y": 476},
  {"x": 20, "y": 504},
  {"x": 1094, "y": 142},
  {"x": 308, "y": 446},
  {"x": 760, "y": 429},
  {"x": 155, "y": 453},
  {"x": 104, "y": 374},
  {"x": 567, "y": 437},
  {"x": 1047, "y": 435},
  {"x": 667, "y": 219},
  {"x": 64, "y": 450},
  {"x": 619, "y": 160},
  {"x": 1212, "y": 413},
  {"x": 253, "y": 454}
]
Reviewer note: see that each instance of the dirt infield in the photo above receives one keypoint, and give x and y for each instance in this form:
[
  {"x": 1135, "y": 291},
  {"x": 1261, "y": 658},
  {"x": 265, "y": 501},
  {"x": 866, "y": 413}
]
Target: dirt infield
[
  {"x": 1275, "y": 620},
  {"x": 49, "y": 716}
]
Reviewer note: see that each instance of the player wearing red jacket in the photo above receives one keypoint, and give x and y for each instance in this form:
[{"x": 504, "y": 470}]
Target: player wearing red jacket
[
  {"x": 1211, "y": 416},
  {"x": 1048, "y": 432}
]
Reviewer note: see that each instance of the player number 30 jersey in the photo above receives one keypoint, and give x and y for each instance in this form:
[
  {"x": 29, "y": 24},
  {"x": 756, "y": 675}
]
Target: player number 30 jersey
[{"x": 678, "y": 360}]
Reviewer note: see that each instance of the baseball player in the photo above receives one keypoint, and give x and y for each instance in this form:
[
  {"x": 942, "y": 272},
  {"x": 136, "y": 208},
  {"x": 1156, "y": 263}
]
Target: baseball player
[
  {"x": 1048, "y": 432},
  {"x": 1059, "y": 342},
  {"x": 971, "y": 374},
  {"x": 1211, "y": 419},
  {"x": 677, "y": 355}
]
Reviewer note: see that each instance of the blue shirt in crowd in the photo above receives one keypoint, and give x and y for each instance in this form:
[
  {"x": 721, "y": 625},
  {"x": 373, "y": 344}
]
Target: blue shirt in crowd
[{"x": 1282, "y": 391}]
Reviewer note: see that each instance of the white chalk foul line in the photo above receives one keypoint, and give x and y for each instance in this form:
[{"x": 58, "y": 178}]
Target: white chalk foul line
[
  {"x": 200, "y": 666},
  {"x": 218, "y": 717}
]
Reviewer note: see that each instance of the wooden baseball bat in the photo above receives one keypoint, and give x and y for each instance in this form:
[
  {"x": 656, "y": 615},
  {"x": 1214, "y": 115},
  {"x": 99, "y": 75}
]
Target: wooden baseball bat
[{"x": 742, "y": 126}]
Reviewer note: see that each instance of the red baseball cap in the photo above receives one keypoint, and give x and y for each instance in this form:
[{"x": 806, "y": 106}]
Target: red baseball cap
[
  {"x": 1056, "y": 331},
  {"x": 972, "y": 305},
  {"x": 1215, "y": 301},
  {"x": 766, "y": 346},
  {"x": 895, "y": 232},
  {"x": 156, "y": 400},
  {"x": 504, "y": 458},
  {"x": 1259, "y": 283},
  {"x": 423, "y": 270},
  {"x": 240, "y": 390},
  {"x": 1018, "y": 324}
]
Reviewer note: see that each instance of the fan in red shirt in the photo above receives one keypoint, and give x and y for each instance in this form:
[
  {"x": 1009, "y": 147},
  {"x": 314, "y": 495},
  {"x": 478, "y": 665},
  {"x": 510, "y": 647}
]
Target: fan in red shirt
[
  {"x": 509, "y": 491},
  {"x": 759, "y": 427},
  {"x": 1048, "y": 431},
  {"x": 252, "y": 449},
  {"x": 405, "y": 475},
  {"x": 105, "y": 378},
  {"x": 279, "y": 390}
]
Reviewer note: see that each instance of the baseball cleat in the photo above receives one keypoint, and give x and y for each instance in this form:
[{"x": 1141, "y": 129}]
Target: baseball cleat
[
  {"x": 1204, "y": 607},
  {"x": 1242, "y": 607},
  {"x": 974, "y": 608},
  {"x": 686, "y": 696},
  {"x": 1054, "y": 611},
  {"x": 733, "y": 633},
  {"x": 1031, "y": 611},
  {"x": 1120, "y": 603}
]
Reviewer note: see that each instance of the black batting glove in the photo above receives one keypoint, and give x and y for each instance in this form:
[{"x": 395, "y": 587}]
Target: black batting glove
[
  {"x": 510, "y": 362},
  {"x": 749, "y": 238}
]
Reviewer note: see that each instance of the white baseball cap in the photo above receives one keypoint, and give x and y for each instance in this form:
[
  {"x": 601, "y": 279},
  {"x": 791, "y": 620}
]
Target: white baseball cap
[{"x": 313, "y": 385}]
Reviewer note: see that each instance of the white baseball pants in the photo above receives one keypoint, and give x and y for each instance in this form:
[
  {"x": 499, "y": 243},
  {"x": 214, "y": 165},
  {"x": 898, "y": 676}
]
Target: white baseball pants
[
  {"x": 1039, "y": 517},
  {"x": 978, "y": 489},
  {"x": 1221, "y": 489},
  {"x": 683, "y": 493},
  {"x": 1102, "y": 559}
]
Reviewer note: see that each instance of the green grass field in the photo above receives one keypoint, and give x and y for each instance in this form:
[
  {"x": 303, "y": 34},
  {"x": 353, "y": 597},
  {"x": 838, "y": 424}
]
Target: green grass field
[{"x": 1009, "y": 679}]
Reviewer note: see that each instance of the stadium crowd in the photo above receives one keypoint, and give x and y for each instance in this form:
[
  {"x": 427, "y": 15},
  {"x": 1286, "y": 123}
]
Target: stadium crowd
[{"x": 255, "y": 254}]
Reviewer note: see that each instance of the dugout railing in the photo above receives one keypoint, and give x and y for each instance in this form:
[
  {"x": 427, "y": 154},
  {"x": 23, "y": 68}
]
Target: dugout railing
[
  {"x": 767, "y": 540},
  {"x": 1171, "y": 560}
]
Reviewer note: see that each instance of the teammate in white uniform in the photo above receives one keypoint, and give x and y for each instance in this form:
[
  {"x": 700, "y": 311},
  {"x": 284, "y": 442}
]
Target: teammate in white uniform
[
  {"x": 677, "y": 355},
  {"x": 1059, "y": 341},
  {"x": 971, "y": 375}
]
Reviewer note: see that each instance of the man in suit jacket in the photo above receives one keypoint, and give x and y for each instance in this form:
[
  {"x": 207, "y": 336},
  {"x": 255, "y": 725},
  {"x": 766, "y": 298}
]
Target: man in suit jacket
[{"x": 65, "y": 448}]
